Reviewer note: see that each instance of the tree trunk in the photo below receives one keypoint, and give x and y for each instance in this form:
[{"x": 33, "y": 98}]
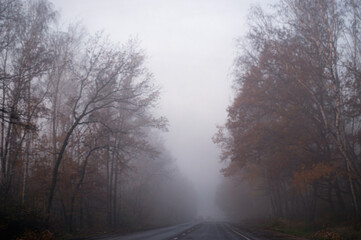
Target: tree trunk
[
  {"x": 115, "y": 196},
  {"x": 56, "y": 168}
]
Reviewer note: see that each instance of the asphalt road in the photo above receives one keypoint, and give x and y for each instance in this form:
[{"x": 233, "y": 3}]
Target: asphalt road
[
  {"x": 190, "y": 231},
  {"x": 215, "y": 231}
]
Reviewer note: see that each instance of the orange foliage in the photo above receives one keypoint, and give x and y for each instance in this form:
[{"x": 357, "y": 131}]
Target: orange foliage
[{"x": 317, "y": 171}]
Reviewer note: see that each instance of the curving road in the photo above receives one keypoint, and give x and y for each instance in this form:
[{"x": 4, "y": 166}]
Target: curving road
[
  {"x": 189, "y": 231},
  {"x": 202, "y": 231},
  {"x": 215, "y": 231}
]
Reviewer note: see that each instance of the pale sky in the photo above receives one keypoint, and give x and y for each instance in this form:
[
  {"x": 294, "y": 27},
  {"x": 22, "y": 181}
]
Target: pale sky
[{"x": 190, "y": 45}]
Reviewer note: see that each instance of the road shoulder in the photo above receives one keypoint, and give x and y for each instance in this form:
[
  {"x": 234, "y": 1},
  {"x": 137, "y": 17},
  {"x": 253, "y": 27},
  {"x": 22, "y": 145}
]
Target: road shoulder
[{"x": 263, "y": 233}]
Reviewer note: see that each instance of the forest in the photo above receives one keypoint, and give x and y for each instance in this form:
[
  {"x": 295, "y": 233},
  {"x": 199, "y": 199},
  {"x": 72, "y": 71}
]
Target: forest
[
  {"x": 81, "y": 146},
  {"x": 292, "y": 139}
]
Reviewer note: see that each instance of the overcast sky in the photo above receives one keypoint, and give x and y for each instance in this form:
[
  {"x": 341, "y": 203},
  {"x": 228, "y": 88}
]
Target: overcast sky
[{"x": 190, "y": 46}]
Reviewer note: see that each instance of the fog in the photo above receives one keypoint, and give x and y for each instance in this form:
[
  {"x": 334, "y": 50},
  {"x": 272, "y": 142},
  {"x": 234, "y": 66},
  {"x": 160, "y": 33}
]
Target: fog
[
  {"x": 115, "y": 116},
  {"x": 190, "y": 47}
]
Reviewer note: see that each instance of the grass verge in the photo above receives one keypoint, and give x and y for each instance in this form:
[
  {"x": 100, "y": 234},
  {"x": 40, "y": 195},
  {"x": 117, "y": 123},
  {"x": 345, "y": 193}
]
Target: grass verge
[{"x": 316, "y": 231}]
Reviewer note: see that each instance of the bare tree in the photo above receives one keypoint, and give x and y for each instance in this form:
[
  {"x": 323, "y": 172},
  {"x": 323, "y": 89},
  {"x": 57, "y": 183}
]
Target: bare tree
[
  {"x": 25, "y": 60},
  {"x": 103, "y": 78}
]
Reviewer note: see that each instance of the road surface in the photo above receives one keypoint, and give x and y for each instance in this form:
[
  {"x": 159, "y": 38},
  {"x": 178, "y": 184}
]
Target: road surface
[
  {"x": 190, "y": 231},
  {"x": 215, "y": 231}
]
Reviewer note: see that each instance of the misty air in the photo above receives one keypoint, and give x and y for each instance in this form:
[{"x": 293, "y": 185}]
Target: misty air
[{"x": 180, "y": 119}]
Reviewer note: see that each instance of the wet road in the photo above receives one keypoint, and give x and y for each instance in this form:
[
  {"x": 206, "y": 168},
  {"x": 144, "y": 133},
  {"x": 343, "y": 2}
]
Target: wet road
[
  {"x": 225, "y": 231},
  {"x": 214, "y": 231},
  {"x": 166, "y": 233},
  {"x": 189, "y": 231}
]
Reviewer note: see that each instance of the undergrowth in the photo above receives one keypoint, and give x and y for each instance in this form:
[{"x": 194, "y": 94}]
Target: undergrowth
[{"x": 317, "y": 230}]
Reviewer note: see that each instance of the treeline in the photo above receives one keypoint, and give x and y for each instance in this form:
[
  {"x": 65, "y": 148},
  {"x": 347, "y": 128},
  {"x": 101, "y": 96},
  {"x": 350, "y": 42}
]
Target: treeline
[
  {"x": 79, "y": 142},
  {"x": 294, "y": 128}
]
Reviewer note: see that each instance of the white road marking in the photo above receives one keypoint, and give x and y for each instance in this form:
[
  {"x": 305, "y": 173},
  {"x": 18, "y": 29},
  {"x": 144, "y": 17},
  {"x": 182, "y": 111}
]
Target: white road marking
[{"x": 240, "y": 234}]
